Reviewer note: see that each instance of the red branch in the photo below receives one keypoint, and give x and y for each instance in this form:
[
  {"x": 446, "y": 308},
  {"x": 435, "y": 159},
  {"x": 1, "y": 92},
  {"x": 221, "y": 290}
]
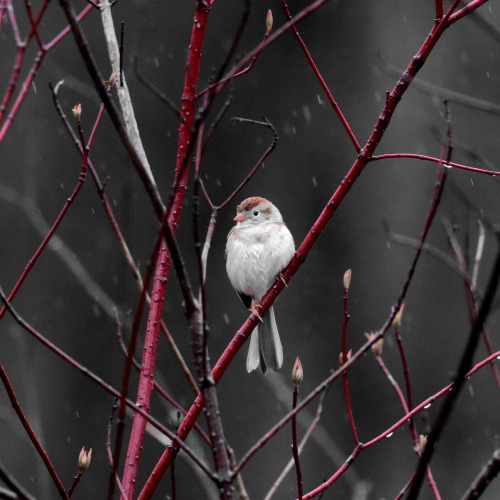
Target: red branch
[
  {"x": 31, "y": 75},
  {"x": 435, "y": 160},
  {"x": 322, "y": 82},
  {"x": 163, "y": 265},
  {"x": 60, "y": 217},
  {"x": 301, "y": 254},
  {"x": 31, "y": 433},
  {"x": 358, "y": 449},
  {"x": 295, "y": 449},
  {"x": 344, "y": 356}
]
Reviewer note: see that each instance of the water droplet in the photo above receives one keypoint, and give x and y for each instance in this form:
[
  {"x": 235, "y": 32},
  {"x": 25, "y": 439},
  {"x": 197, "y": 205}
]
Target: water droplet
[
  {"x": 307, "y": 113},
  {"x": 427, "y": 406},
  {"x": 389, "y": 435}
]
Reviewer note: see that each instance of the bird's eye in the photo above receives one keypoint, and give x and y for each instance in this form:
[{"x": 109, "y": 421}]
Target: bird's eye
[{"x": 255, "y": 213}]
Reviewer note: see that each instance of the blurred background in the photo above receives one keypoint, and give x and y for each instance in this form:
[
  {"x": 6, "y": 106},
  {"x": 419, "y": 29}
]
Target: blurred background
[{"x": 361, "y": 48}]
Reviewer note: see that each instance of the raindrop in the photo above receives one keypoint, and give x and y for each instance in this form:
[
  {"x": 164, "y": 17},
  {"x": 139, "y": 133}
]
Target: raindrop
[
  {"x": 320, "y": 99},
  {"x": 307, "y": 113},
  {"x": 226, "y": 319},
  {"x": 447, "y": 165},
  {"x": 314, "y": 181},
  {"x": 427, "y": 406},
  {"x": 389, "y": 435}
]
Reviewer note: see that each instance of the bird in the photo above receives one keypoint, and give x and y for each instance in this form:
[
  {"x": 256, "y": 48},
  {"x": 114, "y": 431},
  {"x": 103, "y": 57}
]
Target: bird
[{"x": 258, "y": 248}]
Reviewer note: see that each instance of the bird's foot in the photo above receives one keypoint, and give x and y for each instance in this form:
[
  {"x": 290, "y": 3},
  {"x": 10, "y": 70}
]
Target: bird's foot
[
  {"x": 282, "y": 278},
  {"x": 255, "y": 310}
]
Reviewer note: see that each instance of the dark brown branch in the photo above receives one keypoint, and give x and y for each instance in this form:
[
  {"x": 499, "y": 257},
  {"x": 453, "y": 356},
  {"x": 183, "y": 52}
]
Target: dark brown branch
[{"x": 485, "y": 477}]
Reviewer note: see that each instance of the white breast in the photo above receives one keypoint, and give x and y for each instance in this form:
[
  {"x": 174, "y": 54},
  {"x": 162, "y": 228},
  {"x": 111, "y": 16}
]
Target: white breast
[{"x": 256, "y": 254}]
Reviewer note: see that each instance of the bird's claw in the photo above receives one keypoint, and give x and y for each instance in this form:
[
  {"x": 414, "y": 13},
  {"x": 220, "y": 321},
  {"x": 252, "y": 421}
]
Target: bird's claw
[
  {"x": 282, "y": 278},
  {"x": 255, "y": 310}
]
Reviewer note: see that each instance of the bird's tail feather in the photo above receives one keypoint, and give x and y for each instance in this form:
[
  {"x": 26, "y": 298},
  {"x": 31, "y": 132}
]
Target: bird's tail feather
[
  {"x": 253, "y": 351},
  {"x": 265, "y": 346}
]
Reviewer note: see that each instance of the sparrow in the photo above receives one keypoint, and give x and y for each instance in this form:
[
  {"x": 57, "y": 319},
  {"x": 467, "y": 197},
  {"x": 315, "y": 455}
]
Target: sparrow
[{"x": 258, "y": 248}]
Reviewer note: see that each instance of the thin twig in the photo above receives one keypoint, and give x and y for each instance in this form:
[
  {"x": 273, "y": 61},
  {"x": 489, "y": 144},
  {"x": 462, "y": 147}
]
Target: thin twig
[
  {"x": 31, "y": 434},
  {"x": 59, "y": 219},
  {"x": 414, "y": 243},
  {"x": 444, "y": 93},
  {"x": 321, "y": 80},
  {"x": 460, "y": 378},
  {"x": 251, "y": 174},
  {"x": 295, "y": 450},
  {"x": 471, "y": 293},
  {"x": 121, "y": 241},
  {"x": 302, "y": 443},
  {"x": 30, "y": 77},
  {"x": 100, "y": 382},
  {"x": 137, "y": 159},
  {"x": 155, "y": 90},
  {"x": 344, "y": 356}
]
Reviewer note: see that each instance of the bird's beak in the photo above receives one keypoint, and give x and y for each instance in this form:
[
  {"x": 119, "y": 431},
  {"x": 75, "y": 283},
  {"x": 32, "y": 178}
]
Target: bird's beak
[{"x": 240, "y": 218}]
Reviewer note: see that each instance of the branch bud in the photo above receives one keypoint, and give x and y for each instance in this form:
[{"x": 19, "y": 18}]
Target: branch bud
[
  {"x": 396, "y": 322},
  {"x": 422, "y": 441},
  {"x": 84, "y": 459},
  {"x": 377, "y": 346},
  {"x": 269, "y": 22},
  {"x": 347, "y": 279},
  {"x": 348, "y": 357},
  {"x": 112, "y": 79},
  {"x": 297, "y": 372},
  {"x": 77, "y": 111}
]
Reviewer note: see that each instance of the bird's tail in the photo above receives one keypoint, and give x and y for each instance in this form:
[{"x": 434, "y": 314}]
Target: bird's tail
[{"x": 265, "y": 346}]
